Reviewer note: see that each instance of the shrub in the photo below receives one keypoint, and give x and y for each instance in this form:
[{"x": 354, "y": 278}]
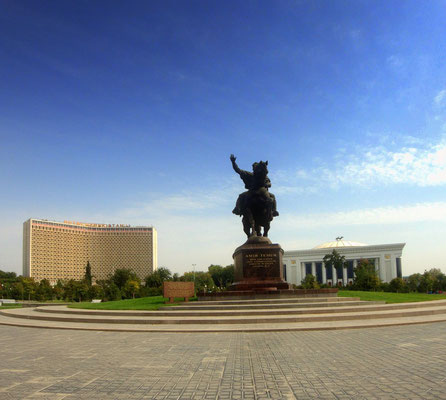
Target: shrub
[
  {"x": 112, "y": 292},
  {"x": 145, "y": 291},
  {"x": 397, "y": 285},
  {"x": 310, "y": 282}
]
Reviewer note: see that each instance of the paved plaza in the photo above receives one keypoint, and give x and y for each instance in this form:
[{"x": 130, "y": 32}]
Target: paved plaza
[{"x": 402, "y": 362}]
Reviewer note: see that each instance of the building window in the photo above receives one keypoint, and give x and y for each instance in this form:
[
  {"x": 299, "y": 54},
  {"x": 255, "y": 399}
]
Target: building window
[
  {"x": 307, "y": 268},
  {"x": 350, "y": 274},
  {"x": 399, "y": 271},
  {"x": 329, "y": 271},
  {"x": 339, "y": 273},
  {"x": 319, "y": 272}
]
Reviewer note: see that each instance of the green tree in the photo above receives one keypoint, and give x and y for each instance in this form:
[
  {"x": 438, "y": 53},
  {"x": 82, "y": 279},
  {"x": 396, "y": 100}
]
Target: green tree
[
  {"x": 156, "y": 278},
  {"x": 216, "y": 272},
  {"x": 30, "y": 287},
  {"x": 222, "y": 276},
  {"x": 96, "y": 292},
  {"x": 366, "y": 276},
  {"x": 44, "y": 290},
  {"x": 310, "y": 282},
  {"x": 414, "y": 282},
  {"x": 112, "y": 292},
  {"x": 131, "y": 288},
  {"x": 427, "y": 282},
  {"x": 337, "y": 261},
  {"x": 438, "y": 278},
  {"x": 75, "y": 290},
  {"x": 69, "y": 289},
  {"x": 8, "y": 276},
  {"x": 58, "y": 290},
  {"x": 6, "y": 289},
  {"x": 81, "y": 291},
  {"x": 398, "y": 285},
  {"x": 203, "y": 281},
  {"x": 228, "y": 275},
  {"x": 88, "y": 277},
  {"x": 17, "y": 290},
  {"x": 121, "y": 276}
]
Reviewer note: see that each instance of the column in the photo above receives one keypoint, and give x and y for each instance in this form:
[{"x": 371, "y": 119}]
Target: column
[
  {"x": 393, "y": 266},
  {"x": 324, "y": 273},
  {"x": 294, "y": 274},
  {"x": 334, "y": 275},
  {"x": 382, "y": 269},
  {"x": 355, "y": 265},
  {"x": 313, "y": 269},
  {"x": 344, "y": 276},
  {"x": 302, "y": 269}
]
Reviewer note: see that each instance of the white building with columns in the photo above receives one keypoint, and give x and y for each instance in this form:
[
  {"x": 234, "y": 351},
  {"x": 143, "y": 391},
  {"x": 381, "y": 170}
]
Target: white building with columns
[{"x": 386, "y": 257}]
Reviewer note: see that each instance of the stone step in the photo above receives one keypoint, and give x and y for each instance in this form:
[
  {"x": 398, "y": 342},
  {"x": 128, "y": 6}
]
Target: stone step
[
  {"x": 246, "y": 328},
  {"x": 346, "y": 308},
  {"x": 299, "y": 300},
  {"x": 433, "y": 308},
  {"x": 266, "y": 306}
]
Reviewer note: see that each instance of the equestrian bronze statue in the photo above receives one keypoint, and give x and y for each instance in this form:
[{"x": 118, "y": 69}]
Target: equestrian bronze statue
[{"x": 257, "y": 205}]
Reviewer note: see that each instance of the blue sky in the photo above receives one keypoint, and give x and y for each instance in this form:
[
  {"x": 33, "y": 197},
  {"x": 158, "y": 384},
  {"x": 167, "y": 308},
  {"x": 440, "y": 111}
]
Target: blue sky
[{"x": 127, "y": 112}]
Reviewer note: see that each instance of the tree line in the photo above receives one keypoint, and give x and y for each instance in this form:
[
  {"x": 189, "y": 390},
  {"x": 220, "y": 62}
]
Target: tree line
[{"x": 122, "y": 284}]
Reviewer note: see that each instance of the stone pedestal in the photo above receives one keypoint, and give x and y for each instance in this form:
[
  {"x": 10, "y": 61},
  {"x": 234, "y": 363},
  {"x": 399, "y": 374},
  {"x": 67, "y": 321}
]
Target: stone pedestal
[{"x": 258, "y": 266}]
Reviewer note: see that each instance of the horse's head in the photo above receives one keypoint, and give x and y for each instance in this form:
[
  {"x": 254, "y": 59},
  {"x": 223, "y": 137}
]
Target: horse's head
[{"x": 260, "y": 168}]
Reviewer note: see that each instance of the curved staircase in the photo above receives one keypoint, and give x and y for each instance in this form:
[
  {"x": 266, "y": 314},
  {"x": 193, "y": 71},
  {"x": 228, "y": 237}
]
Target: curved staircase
[{"x": 234, "y": 316}]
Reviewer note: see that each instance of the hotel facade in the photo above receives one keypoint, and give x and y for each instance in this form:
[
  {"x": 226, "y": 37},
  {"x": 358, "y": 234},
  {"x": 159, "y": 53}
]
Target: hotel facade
[
  {"x": 385, "y": 257},
  {"x": 60, "y": 250}
]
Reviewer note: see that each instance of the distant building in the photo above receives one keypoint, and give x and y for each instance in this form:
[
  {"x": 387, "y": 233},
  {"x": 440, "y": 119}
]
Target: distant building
[
  {"x": 60, "y": 250},
  {"x": 386, "y": 258}
]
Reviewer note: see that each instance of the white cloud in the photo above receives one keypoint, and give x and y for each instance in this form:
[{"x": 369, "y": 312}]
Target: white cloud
[
  {"x": 420, "y": 212},
  {"x": 418, "y": 166},
  {"x": 440, "y": 97},
  {"x": 421, "y": 167}
]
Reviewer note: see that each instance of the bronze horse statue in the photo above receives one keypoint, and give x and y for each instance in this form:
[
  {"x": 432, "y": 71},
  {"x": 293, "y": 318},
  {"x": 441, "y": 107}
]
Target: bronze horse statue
[{"x": 257, "y": 205}]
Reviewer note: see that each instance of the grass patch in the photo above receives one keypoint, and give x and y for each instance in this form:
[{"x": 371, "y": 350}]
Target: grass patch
[
  {"x": 391, "y": 297},
  {"x": 143, "y": 303},
  {"x": 5, "y": 307},
  {"x": 50, "y": 301}
]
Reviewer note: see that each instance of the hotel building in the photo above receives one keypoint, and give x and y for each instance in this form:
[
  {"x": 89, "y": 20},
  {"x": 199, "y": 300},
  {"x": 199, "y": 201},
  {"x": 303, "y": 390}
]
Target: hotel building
[
  {"x": 385, "y": 257},
  {"x": 60, "y": 250}
]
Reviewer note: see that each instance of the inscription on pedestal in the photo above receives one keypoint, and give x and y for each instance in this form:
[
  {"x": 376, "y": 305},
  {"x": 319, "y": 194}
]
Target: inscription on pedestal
[
  {"x": 258, "y": 266},
  {"x": 265, "y": 260},
  {"x": 261, "y": 264}
]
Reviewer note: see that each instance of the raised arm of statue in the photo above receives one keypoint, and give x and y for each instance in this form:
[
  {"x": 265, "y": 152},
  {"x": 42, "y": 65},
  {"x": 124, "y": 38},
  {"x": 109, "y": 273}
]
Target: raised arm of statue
[{"x": 234, "y": 164}]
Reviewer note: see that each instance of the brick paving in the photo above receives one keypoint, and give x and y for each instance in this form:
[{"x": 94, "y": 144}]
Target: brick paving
[{"x": 401, "y": 362}]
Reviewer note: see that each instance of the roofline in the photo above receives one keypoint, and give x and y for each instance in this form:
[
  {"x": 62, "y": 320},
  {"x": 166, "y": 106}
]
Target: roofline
[
  {"x": 346, "y": 249},
  {"x": 89, "y": 225}
]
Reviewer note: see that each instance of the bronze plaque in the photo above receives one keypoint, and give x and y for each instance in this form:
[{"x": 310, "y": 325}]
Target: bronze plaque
[{"x": 262, "y": 264}]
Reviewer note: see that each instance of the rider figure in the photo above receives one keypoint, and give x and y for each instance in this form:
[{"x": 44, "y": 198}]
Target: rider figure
[{"x": 257, "y": 182}]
